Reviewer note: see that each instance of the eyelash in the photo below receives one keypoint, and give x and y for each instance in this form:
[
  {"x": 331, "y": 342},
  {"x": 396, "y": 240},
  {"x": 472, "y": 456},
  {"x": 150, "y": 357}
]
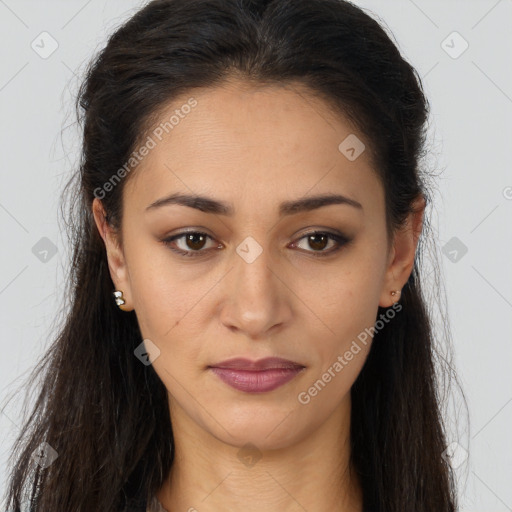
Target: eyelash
[{"x": 340, "y": 240}]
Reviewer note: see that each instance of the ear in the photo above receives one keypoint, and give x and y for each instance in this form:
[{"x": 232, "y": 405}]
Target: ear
[
  {"x": 403, "y": 250},
  {"x": 115, "y": 255}
]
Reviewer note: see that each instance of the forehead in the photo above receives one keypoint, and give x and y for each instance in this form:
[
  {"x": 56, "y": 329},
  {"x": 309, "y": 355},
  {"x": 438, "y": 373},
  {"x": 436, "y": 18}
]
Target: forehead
[{"x": 260, "y": 143}]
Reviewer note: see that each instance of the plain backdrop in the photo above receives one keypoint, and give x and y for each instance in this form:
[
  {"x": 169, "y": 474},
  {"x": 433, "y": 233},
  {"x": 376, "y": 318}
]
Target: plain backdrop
[{"x": 461, "y": 50}]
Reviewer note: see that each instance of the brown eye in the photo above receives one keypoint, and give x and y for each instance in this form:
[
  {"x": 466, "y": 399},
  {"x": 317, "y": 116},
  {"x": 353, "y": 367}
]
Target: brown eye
[
  {"x": 319, "y": 240},
  {"x": 195, "y": 241},
  {"x": 192, "y": 243}
]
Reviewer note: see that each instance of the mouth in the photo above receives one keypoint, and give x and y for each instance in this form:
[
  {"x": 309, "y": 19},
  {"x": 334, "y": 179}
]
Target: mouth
[
  {"x": 267, "y": 363},
  {"x": 256, "y": 376}
]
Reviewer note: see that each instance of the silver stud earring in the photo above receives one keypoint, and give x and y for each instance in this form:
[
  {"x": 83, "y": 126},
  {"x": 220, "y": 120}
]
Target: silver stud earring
[{"x": 118, "y": 295}]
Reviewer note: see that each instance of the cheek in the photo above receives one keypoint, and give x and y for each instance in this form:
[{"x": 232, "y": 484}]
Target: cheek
[
  {"x": 162, "y": 294},
  {"x": 169, "y": 307},
  {"x": 345, "y": 299},
  {"x": 344, "y": 350},
  {"x": 340, "y": 351},
  {"x": 166, "y": 310},
  {"x": 346, "y": 308}
]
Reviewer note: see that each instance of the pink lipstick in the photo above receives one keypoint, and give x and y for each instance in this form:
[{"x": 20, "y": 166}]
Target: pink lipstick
[{"x": 256, "y": 376}]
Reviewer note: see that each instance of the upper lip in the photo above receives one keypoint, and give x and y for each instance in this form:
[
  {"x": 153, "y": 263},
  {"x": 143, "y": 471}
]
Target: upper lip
[{"x": 241, "y": 363}]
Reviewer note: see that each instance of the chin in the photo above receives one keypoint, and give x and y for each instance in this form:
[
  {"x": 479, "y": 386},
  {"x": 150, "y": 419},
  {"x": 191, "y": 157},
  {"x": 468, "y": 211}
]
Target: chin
[{"x": 265, "y": 432}]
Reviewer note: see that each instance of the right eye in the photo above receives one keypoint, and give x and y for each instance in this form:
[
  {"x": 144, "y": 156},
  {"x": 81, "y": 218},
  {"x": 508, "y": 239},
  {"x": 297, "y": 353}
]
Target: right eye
[{"x": 195, "y": 241}]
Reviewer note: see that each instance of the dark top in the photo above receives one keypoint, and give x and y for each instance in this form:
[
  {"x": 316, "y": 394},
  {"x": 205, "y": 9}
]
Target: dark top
[{"x": 139, "y": 505}]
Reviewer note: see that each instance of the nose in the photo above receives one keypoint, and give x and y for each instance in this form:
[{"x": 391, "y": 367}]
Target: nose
[{"x": 258, "y": 298}]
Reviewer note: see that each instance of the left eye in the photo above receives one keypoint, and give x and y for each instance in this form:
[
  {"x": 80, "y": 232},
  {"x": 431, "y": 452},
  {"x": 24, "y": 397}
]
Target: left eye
[
  {"x": 318, "y": 239},
  {"x": 195, "y": 240}
]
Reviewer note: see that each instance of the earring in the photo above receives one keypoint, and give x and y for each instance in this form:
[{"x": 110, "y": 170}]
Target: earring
[
  {"x": 395, "y": 292},
  {"x": 118, "y": 295}
]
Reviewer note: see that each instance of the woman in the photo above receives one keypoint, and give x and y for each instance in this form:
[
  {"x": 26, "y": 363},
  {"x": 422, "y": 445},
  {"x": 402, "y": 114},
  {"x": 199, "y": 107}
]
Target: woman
[{"x": 247, "y": 327}]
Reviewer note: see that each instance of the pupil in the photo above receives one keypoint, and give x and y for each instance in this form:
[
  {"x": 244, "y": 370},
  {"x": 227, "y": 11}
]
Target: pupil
[
  {"x": 314, "y": 244},
  {"x": 192, "y": 238}
]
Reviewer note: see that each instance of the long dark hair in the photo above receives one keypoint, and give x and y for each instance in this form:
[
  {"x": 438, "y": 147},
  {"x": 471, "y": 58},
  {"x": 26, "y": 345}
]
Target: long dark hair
[{"x": 104, "y": 413}]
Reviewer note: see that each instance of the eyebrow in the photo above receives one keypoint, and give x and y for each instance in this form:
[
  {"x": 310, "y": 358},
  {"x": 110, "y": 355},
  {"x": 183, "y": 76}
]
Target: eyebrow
[{"x": 209, "y": 205}]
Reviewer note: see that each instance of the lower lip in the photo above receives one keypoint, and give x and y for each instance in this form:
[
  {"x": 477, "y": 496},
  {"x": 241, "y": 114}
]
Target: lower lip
[{"x": 256, "y": 381}]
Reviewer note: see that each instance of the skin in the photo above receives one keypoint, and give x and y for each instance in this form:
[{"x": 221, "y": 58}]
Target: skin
[{"x": 254, "y": 147}]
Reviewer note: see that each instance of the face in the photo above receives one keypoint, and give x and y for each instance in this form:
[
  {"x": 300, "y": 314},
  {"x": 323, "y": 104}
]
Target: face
[{"x": 256, "y": 277}]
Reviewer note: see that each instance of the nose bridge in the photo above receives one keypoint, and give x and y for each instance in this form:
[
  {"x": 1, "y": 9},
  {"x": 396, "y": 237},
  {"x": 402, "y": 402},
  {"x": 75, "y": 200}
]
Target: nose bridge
[{"x": 256, "y": 303}]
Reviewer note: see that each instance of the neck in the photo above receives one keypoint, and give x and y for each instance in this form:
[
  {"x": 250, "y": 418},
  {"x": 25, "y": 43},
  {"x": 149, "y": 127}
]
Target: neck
[{"x": 313, "y": 474}]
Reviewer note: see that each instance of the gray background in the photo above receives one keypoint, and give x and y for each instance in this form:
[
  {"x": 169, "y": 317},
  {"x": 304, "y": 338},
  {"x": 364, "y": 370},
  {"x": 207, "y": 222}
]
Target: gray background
[{"x": 470, "y": 90}]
